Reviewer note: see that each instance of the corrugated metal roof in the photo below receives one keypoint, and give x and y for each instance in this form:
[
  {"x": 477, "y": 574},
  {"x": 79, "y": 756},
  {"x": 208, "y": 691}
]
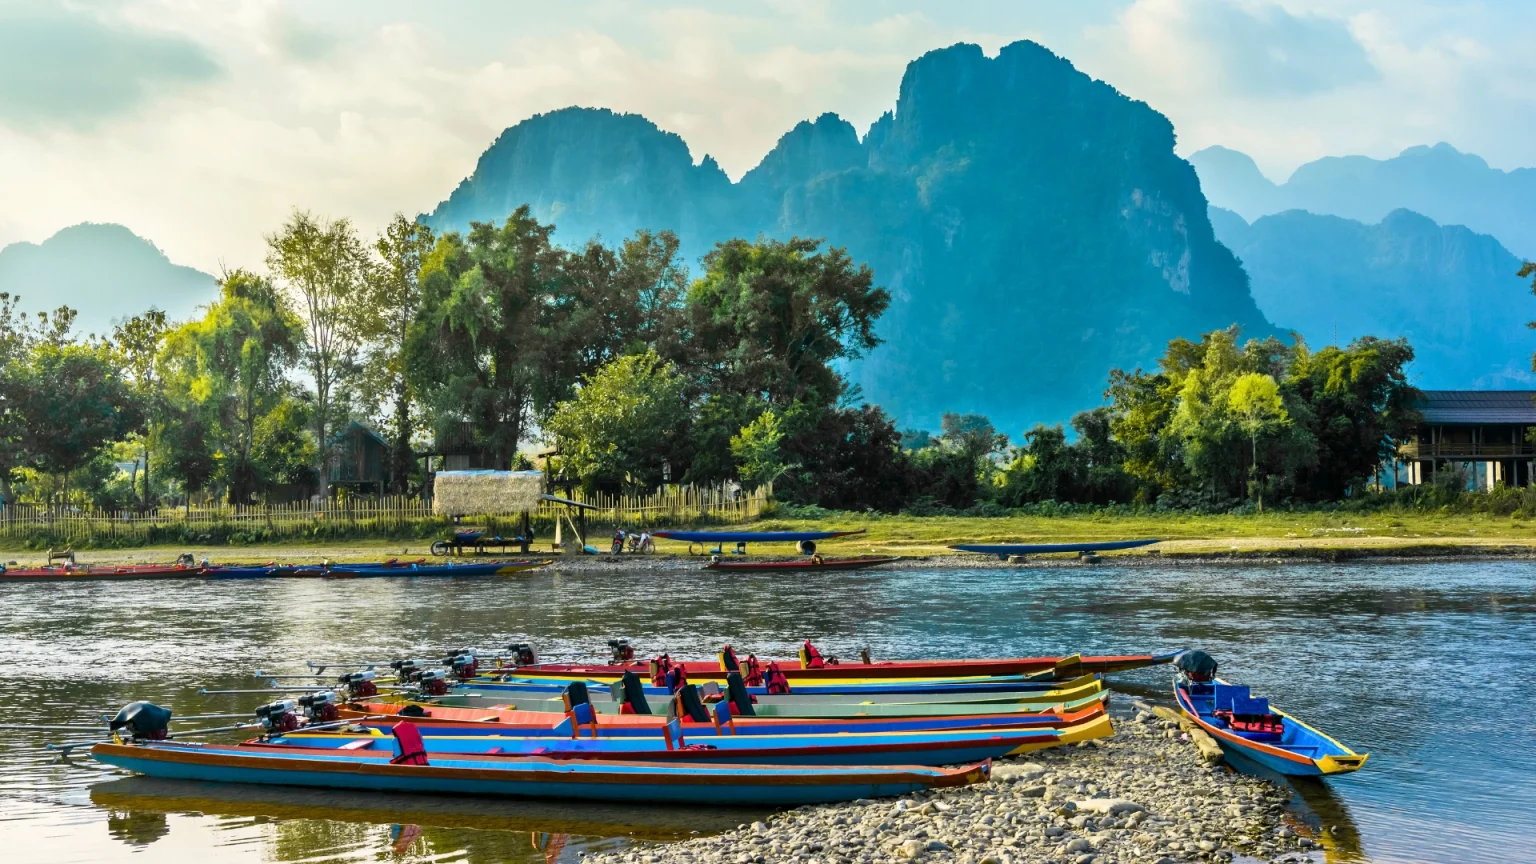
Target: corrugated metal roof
[{"x": 1478, "y": 406}]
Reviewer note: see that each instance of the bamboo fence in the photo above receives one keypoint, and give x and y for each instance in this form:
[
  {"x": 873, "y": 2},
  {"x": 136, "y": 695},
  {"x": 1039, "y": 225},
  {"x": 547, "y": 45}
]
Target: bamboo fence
[{"x": 359, "y": 518}]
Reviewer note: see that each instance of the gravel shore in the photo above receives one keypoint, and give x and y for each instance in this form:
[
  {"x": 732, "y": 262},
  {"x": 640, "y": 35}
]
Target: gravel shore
[{"x": 1146, "y": 794}]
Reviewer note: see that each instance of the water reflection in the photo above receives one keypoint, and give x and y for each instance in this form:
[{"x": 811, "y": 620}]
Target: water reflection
[{"x": 1360, "y": 651}]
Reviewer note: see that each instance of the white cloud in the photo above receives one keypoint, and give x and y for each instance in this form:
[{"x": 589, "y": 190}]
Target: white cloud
[{"x": 360, "y": 109}]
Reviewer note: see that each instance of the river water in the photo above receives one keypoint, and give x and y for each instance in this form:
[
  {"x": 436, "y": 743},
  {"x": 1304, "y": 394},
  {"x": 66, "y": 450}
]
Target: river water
[{"x": 1425, "y": 666}]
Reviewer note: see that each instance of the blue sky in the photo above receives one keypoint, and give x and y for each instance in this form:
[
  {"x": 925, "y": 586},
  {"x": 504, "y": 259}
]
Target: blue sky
[{"x": 201, "y": 124}]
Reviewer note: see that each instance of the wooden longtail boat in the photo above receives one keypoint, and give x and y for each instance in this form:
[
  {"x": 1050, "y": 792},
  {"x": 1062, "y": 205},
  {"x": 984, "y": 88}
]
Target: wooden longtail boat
[
  {"x": 1066, "y": 692},
  {"x": 444, "y": 720},
  {"x": 93, "y": 572},
  {"x": 947, "y": 747},
  {"x": 954, "y": 689},
  {"x": 752, "y": 536},
  {"x": 828, "y": 711},
  {"x": 805, "y": 565},
  {"x": 525, "y": 776},
  {"x": 1251, "y": 728},
  {"x": 375, "y": 571},
  {"x": 860, "y": 673},
  {"x": 1005, "y": 550}
]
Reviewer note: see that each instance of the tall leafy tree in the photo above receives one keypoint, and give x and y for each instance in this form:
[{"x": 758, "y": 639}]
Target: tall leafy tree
[
  {"x": 74, "y": 404},
  {"x": 480, "y": 349},
  {"x": 226, "y": 372},
  {"x": 136, "y": 345},
  {"x": 324, "y": 265},
  {"x": 772, "y": 317},
  {"x": 623, "y": 425},
  {"x": 1254, "y": 400},
  {"x": 393, "y": 306}
]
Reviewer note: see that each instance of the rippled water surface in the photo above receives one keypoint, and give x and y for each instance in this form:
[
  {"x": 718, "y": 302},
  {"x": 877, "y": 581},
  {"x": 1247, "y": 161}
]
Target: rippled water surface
[{"x": 1425, "y": 666}]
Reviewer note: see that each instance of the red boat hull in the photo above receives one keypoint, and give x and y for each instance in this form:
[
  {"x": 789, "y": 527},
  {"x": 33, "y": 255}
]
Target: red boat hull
[
  {"x": 1088, "y": 665},
  {"x": 88, "y": 572},
  {"x": 803, "y": 564}
]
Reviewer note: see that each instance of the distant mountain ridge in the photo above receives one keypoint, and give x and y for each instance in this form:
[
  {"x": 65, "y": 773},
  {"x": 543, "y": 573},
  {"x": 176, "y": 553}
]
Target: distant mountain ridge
[
  {"x": 1033, "y": 225},
  {"x": 103, "y": 271},
  {"x": 1448, "y": 289},
  {"x": 1440, "y": 182}
]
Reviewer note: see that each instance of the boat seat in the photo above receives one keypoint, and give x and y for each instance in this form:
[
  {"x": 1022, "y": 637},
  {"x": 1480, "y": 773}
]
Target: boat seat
[{"x": 364, "y": 744}]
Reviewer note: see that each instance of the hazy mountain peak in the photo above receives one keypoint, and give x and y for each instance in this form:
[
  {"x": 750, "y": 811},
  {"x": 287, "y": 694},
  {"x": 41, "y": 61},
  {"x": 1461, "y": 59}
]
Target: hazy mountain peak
[
  {"x": 105, "y": 272},
  {"x": 1439, "y": 181},
  {"x": 1023, "y": 215}
]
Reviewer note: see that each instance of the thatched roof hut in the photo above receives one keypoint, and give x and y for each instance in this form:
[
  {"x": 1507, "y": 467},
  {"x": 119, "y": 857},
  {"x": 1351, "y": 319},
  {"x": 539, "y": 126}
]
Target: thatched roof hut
[{"x": 463, "y": 493}]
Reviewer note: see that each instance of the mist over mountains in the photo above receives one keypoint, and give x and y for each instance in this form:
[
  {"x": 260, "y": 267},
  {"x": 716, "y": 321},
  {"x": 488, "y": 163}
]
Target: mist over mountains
[
  {"x": 1033, "y": 225},
  {"x": 1451, "y": 291},
  {"x": 1441, "y": 182},
  {"x": 104, "y": 272}
]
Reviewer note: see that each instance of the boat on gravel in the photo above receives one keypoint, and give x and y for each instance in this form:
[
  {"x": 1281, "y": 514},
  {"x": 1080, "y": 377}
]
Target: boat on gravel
[
  {"x": 813, "y": 666},
  {"x": 1249, "y": 727},
  {"x": 415, "y": 770},
  {"x": 1006, "y": 550},
  {"x": 935, "y": 747}
]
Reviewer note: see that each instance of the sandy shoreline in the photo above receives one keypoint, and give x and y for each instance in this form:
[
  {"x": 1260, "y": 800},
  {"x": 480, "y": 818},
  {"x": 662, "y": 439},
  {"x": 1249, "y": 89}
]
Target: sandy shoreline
[{"x": 1145, "y": 794}]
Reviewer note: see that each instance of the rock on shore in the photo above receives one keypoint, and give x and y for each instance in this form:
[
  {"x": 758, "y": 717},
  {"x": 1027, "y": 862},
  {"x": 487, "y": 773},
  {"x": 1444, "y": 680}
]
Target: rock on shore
[{"x": 1146, "y": 795}]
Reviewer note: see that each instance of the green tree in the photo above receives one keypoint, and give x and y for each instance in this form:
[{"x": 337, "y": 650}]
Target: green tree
[
  {"x": 1528, "y": 268},
  {"x": 325, "y": 266},
  {"x": 136, "y": 345},
  {"x": 771, "y": 318},
  {"x": 758, "y": 452},
  {"x": 385, "y": 321},
  {"x": 479, "y": 352},
  {"x": 223, "y": 374},
  {"x": 973, "y": 435},
  {"x": 623, "y": 425},
  {"x": 74, "y": 404},
  {"x": 1254, "y": 400}
]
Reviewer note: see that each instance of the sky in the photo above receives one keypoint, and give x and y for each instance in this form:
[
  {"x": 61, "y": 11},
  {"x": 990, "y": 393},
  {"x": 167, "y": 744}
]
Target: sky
[{"x": 202, "y": 125}]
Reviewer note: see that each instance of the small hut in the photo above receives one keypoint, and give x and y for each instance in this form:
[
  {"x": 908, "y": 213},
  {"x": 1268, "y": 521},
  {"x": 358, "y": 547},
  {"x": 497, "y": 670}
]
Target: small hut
[{"x": 461, "y": 493}]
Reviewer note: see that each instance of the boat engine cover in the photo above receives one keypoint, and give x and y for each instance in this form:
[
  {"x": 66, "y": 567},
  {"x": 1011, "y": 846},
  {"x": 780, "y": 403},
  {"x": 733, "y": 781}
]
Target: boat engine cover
[
  {"x": 1197, "y": 664},
  {"x": 142, "y": 720}
]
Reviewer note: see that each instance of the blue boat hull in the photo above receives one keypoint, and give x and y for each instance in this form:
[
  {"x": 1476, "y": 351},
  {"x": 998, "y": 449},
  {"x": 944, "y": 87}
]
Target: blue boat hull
[
  {"x": 538, "y": 778},
  {"x": 751, "y": 536},
  {"x": 1003, "y": 551},
  {"x": 1300, "y": 751}
]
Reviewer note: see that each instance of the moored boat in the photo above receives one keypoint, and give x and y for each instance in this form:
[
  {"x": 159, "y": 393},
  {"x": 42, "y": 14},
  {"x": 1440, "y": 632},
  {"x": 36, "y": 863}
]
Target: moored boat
[
  {"x": 1006, "y": 550},
  {"x": 813, "y": 564},
  {"x": 375, "y": 571},
  {"x": 89, "y": 572},
  {"x": 812, "y": 666},
  {"x": 1250, "y": 727},
  {"x": 936, "y": 747},
  {"x": 531, "y": 776}
]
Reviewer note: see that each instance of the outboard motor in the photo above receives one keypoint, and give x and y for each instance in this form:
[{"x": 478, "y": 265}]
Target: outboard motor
[
  {"x": 320, "y": 707},
  {"x": 623, "y": 652},
  {"x": 143, "y": 721},
  {"x": 433, "y": 682},
  {"x": 359, "y": 684},
  {"x": 279, "y": 717},
  {"x": 522, "y": 654},
  {"x": 1196, "y": 665},
  {"x": 464, "y": 666}
]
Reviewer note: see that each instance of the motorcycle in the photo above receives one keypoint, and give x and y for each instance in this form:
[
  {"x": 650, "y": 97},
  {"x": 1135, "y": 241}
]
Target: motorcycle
[{"x": 641, "y": 542}]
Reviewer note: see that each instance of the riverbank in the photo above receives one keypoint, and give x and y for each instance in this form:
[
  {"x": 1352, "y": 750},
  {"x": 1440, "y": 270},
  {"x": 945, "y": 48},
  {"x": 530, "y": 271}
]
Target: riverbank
[
  {"x": 1145, "y": 794},
  {"x": 1258, "y": 538},
  {"x": 913, "y": 555}
]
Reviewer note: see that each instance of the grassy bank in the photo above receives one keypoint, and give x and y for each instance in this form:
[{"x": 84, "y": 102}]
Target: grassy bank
[{"x": 1307, "y": 536}]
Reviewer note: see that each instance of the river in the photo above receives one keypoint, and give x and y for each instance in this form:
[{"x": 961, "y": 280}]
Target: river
[{"x": 1425, "y": 666}]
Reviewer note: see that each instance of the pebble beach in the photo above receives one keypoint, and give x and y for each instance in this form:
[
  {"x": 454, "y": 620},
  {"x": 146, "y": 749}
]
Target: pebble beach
[{"x": 1150, "y": 794}]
